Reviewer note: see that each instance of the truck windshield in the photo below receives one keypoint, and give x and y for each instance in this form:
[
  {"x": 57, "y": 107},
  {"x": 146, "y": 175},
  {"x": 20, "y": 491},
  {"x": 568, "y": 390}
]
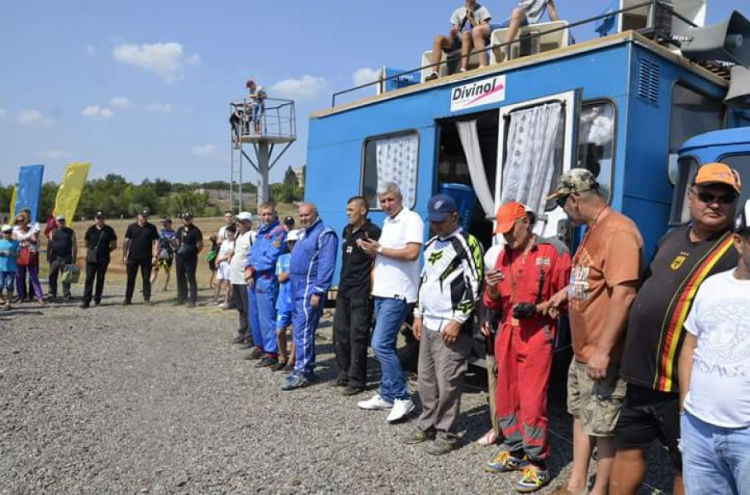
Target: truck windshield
[{"x": 741, "y": 163}]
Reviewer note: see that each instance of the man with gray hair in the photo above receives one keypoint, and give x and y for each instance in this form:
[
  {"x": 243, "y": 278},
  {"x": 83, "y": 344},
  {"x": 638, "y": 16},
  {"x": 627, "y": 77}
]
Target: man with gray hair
[{"x": 395, "y": 282}]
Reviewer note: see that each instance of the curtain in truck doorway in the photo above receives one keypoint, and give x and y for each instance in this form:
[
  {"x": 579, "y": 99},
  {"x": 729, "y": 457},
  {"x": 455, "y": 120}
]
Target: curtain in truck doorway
[
  {"x": 397, "y": 159},
  {"x": 530, "y": 153},
  {"x": 467, "y": 133}
]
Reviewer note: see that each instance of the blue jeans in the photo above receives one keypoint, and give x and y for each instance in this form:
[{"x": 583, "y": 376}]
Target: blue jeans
[
  {"x": 389, "y": 316},
  {"x": 714, "y": 459}
]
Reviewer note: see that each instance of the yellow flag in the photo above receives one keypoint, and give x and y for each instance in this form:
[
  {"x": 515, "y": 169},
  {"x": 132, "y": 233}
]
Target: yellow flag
[
  {"x": 70, "y": 190},
  {"x": 12, "y": 206}
]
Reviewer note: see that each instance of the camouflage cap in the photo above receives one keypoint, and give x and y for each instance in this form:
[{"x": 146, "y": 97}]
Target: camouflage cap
[{"x": 574, "y": 181}]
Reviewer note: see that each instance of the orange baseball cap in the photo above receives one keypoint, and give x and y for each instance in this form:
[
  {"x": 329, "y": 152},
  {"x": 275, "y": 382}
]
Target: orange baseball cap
[
  {"x": 718, "y": 173},
  {"x": 507, "y": 216}
]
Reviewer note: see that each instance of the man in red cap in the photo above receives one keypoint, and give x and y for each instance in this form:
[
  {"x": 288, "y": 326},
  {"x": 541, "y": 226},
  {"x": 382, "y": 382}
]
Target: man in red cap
[
  {"x": 686, "y": 256},
  {"x": 527, "y": 273}
]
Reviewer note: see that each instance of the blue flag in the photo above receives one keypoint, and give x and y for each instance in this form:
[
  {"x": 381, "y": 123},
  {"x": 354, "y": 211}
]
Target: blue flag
[{"x": 29, "y": 189}]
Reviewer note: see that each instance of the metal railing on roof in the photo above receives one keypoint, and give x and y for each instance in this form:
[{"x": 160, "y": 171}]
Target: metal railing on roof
[
  {"x": 277, "y": 119},
  {"x": 655, "y": 29}
]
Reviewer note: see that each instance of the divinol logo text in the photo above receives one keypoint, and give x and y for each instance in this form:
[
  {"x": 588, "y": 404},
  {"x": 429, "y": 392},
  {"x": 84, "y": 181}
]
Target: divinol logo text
[{"x": 482, "y": 92}]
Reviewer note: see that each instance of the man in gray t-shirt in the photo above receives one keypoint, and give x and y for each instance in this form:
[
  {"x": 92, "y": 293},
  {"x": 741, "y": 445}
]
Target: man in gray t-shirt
[{"x": 470, "y": 28}]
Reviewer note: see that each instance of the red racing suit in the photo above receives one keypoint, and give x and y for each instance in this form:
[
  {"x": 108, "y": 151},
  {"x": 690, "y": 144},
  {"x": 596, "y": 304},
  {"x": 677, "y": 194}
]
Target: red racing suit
[{"x": 523, "y": 347}]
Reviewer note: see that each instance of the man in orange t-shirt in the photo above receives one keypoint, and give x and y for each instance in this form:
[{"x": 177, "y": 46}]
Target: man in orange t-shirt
[{"x": 603, "y": 283}]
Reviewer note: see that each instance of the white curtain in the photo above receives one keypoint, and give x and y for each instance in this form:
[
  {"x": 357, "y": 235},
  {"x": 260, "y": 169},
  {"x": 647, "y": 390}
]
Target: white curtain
[
  {"x": 529, "y": 161},
  {"x": 467, "y": 132},
  {"x": 397, "y": 159}
]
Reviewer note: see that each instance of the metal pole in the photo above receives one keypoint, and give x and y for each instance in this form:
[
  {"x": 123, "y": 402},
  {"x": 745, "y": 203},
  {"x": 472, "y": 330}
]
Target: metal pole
[{"x": 264, "y": 158}]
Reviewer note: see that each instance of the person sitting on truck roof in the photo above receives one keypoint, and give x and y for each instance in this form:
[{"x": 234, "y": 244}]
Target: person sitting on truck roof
[
  {"x": 650, "y": 362},
  {"x": 525, "y": 13},
  {"x": 527, "y": 273},
  {"x": 470, "y": 27}
]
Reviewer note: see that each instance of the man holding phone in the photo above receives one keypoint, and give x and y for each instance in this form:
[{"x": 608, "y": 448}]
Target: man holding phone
[{"x": 527, "y": 273}]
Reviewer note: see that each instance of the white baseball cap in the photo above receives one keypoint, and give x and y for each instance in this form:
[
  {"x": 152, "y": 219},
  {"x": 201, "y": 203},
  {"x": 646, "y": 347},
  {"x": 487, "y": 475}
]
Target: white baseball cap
[
  {"x": 245, "y": 216},
  {"x": 292, "y": 236},
  {"x": 6, "y": 228}
]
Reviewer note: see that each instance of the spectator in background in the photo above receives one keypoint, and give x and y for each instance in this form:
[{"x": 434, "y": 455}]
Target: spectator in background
[
  {"x": 9, "y": 251},
  {"x": 311, "y": 272},
  {"x": 260, "y": 273},
  {"x": 100, "y": 240},
  {"x": 525, "y": 13},
  {"x": 353, "y": 316},
  {"x": 226, "y": 250},
  {"x": 211, "y": 255},
  {"x": 715, "y": 378},
  {"x": 395, "y": 279},
  {"x": 35, "y": 227},
  {"x": 288, "y": 223},
  {"x": 470, "y": 27},
  {"x": 242, "y": 245},
  {"x": 605, "y": 274},
  {"x": 527, "y": 273},
  {"x": 140, "y": 250},
  {"x": 189, "y": 240},
  {"x": 449, "y": 287},
  {"x": 229, "y": 220},
  {"x": 166, "y": 253},
  {"x": 284, "y": 305},
  {"x": 257, "y": 103},
  {"x": 62, "y": 250},
  {"x": 28, "y": 259},
  {"x": 650, "y": 364}
]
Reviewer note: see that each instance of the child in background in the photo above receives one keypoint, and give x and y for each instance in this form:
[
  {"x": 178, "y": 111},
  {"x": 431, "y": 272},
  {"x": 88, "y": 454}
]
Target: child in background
[
  {"x": 8, "y": 253},
  {"x": 226, "y": 251},
  {"x": 165, "y": 257},
  {"x": 211, "y": 258},
  {"x": 284, "y": 305}
]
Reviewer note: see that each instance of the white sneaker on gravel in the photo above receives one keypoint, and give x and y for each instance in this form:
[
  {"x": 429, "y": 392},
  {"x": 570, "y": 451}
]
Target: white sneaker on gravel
[
  {"x": 375, "y": 403},
  {"x": 401, "y": 409}
]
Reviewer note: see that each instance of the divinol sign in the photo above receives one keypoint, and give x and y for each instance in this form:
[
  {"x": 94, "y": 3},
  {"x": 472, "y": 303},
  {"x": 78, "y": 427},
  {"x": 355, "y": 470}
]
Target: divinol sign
[{"x": 482, "y": 92}]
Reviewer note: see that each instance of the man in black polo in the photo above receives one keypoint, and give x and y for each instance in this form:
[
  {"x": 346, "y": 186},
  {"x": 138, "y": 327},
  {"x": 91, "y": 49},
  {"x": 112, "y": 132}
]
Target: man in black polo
[
  {"x": 189, "y": 239},
  {"x": 100, "y": 240},
  {"x": 686, "y": 256},
  {"x": 140, "y": 250},
  {"x": 351, "y": 322},
  {"x": 61, "y": 251}
]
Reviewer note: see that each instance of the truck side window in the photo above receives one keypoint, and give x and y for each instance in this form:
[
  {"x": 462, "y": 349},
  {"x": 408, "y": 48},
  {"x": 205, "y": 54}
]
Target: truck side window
[
  {"x": 693, "y": 113},
  {"x": 596, "y": 140},
  {"x": 687, "y": 168},
  {"x": 393, "y": 158}
]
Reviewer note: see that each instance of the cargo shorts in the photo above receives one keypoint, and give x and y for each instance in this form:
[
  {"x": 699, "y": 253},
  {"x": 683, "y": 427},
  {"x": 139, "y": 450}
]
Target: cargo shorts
[{"x": 596, "y": 404}]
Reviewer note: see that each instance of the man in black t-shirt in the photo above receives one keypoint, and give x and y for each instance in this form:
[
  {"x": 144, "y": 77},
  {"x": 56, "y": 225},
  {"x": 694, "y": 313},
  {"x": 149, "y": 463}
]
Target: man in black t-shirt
[
  {"x": 140, "y": 250},
  {"x": 351, "y": 322},
  {"x": 189, "y": 240},
  {"x": 686, "y": 256},
  {"x": 61, "y": 251},
  {"x": 100, "y": 240}
]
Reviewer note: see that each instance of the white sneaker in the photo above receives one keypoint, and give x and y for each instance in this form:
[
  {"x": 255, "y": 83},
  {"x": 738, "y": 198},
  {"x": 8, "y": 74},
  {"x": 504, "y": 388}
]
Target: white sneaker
[
  {"x": 376, "y": 403},
  {"x": 401, "y": 409}
]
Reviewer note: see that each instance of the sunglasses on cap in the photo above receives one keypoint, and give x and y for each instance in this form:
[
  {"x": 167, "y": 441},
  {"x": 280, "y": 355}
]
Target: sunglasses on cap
[{"x": 709, "y": 198}]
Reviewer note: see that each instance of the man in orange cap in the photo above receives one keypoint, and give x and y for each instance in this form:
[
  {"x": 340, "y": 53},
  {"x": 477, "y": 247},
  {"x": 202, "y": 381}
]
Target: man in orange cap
[
  {"x": 686, "y": 256},
  {"x": 527, "y": 273}
]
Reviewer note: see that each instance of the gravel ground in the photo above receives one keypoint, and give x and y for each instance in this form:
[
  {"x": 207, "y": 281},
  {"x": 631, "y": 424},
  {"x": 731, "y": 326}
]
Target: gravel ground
[{"x": 156, "y": 400}]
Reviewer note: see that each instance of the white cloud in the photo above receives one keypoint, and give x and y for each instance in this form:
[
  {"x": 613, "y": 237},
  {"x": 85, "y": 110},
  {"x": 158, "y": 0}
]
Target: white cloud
[
  {"x": 121, "y": 102},
  {"x": 203, "y": 150},
  {"x": 365, "y": 75},
  {"x": 95, "y": 111},
  {"x": 160, "y": 108},
  {"x": 304, "y": 88},
  {"x": 31, "y": 116},
  {"x": 55, "y": 155},
  {"x": 167, "y": 60},
  {"x": 90, "y": 50}
]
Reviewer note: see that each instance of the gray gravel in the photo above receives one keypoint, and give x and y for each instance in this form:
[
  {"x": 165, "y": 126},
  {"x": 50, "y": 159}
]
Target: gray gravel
[{"x": 156, "y": 400}]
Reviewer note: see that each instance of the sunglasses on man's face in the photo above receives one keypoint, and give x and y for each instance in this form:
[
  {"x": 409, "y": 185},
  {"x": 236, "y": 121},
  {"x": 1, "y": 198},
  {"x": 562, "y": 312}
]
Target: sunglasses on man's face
[
  {"x": 561, "y": 200},
  {"x": 710, "y": 198}
]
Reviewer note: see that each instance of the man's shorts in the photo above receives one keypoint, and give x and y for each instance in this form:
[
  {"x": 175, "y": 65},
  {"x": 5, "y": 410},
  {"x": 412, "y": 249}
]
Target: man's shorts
[
  {"x": 596, "y": 404},
  {"x": 6, "y": 280},
  {"x": 456, "y": 42},
  {"x": 283, "y": 319},
  {"x": 648, "y": 415},
  {"x": 164, "y": 263}
]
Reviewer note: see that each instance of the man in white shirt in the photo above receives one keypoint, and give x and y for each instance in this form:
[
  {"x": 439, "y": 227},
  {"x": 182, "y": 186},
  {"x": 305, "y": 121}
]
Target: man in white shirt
[
  {"x": 395, "y": 281},
  {"x": 714, "y": 378},
  {"x": 242, "y": 244}
]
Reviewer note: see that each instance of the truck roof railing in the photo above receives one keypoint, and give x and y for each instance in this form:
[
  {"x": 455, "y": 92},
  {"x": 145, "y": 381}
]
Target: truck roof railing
[{"x": 659, "y": 30}]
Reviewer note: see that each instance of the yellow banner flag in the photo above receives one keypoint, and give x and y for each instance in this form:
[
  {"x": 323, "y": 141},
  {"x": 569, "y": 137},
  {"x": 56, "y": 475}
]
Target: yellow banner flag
[
  {"x": 70, "y": 190},
  {"x": 12, "y": 207}
]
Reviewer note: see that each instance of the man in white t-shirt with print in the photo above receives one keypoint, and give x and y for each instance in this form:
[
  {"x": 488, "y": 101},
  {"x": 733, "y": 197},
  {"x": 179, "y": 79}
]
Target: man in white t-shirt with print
[
  {"x": 242, "y": 244},
  {"x": 395, "y": 284},
  {"x": 715, "y": 378}
]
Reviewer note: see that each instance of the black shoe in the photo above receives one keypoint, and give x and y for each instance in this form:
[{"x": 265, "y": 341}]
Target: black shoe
[
  {"x": 84, "y": 305},
  {"x": 247, "y": 344},
  {"x": 178, "y": 302},
  {"x": 240, "y": 339},
  {"x": 127, "y": 302},
  {"x": 148, "y": 302},
  {"x": 280, "y": 365},
  {"x": 341, "y": 381},
  {"x": 352, "y": 390},
  {"x": 266, "y": 362},
  {"x": 432, "y": 77},
  {"x": 256, "y": 353},
  {"x": 191, "y": 304}
]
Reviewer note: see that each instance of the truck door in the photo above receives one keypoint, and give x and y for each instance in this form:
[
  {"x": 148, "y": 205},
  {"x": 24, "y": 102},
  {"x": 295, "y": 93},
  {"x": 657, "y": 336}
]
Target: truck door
[{"x": 537, "y": 142}]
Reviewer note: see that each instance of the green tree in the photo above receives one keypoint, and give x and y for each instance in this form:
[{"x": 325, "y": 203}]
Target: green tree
[{"x": 290, "y": 178}]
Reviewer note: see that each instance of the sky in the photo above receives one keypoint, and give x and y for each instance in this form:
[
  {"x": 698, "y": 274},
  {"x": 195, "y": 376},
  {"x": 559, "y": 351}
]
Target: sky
[{"x": 142, "y": 88}]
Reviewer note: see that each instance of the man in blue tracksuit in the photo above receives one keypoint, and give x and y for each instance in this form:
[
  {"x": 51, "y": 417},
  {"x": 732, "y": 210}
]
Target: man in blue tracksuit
[
  {"x": 263, "y": 286},
  {"x": 311, "y": 273}
]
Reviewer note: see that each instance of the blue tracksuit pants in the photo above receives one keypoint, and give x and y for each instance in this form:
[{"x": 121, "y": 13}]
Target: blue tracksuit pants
[
  {"x": 261, "y": 303},
  {"x": 305, "y": 320}
]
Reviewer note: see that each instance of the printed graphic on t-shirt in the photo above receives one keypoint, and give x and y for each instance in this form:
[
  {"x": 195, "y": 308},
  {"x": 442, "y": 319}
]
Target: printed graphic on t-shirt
[
  {"x": 578, "y": 290},
  {"x": 725, "y": 342},
  {"x": 678, "y": 261}
]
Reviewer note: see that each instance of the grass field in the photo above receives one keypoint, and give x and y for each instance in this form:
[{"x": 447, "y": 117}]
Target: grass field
[{"x": 116, "y": 270}]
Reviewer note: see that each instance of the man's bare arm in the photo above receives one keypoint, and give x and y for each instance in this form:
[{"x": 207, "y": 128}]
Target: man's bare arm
[
  {"x": 614, "y": 324},
  {"x": 685, "y": 365}
]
